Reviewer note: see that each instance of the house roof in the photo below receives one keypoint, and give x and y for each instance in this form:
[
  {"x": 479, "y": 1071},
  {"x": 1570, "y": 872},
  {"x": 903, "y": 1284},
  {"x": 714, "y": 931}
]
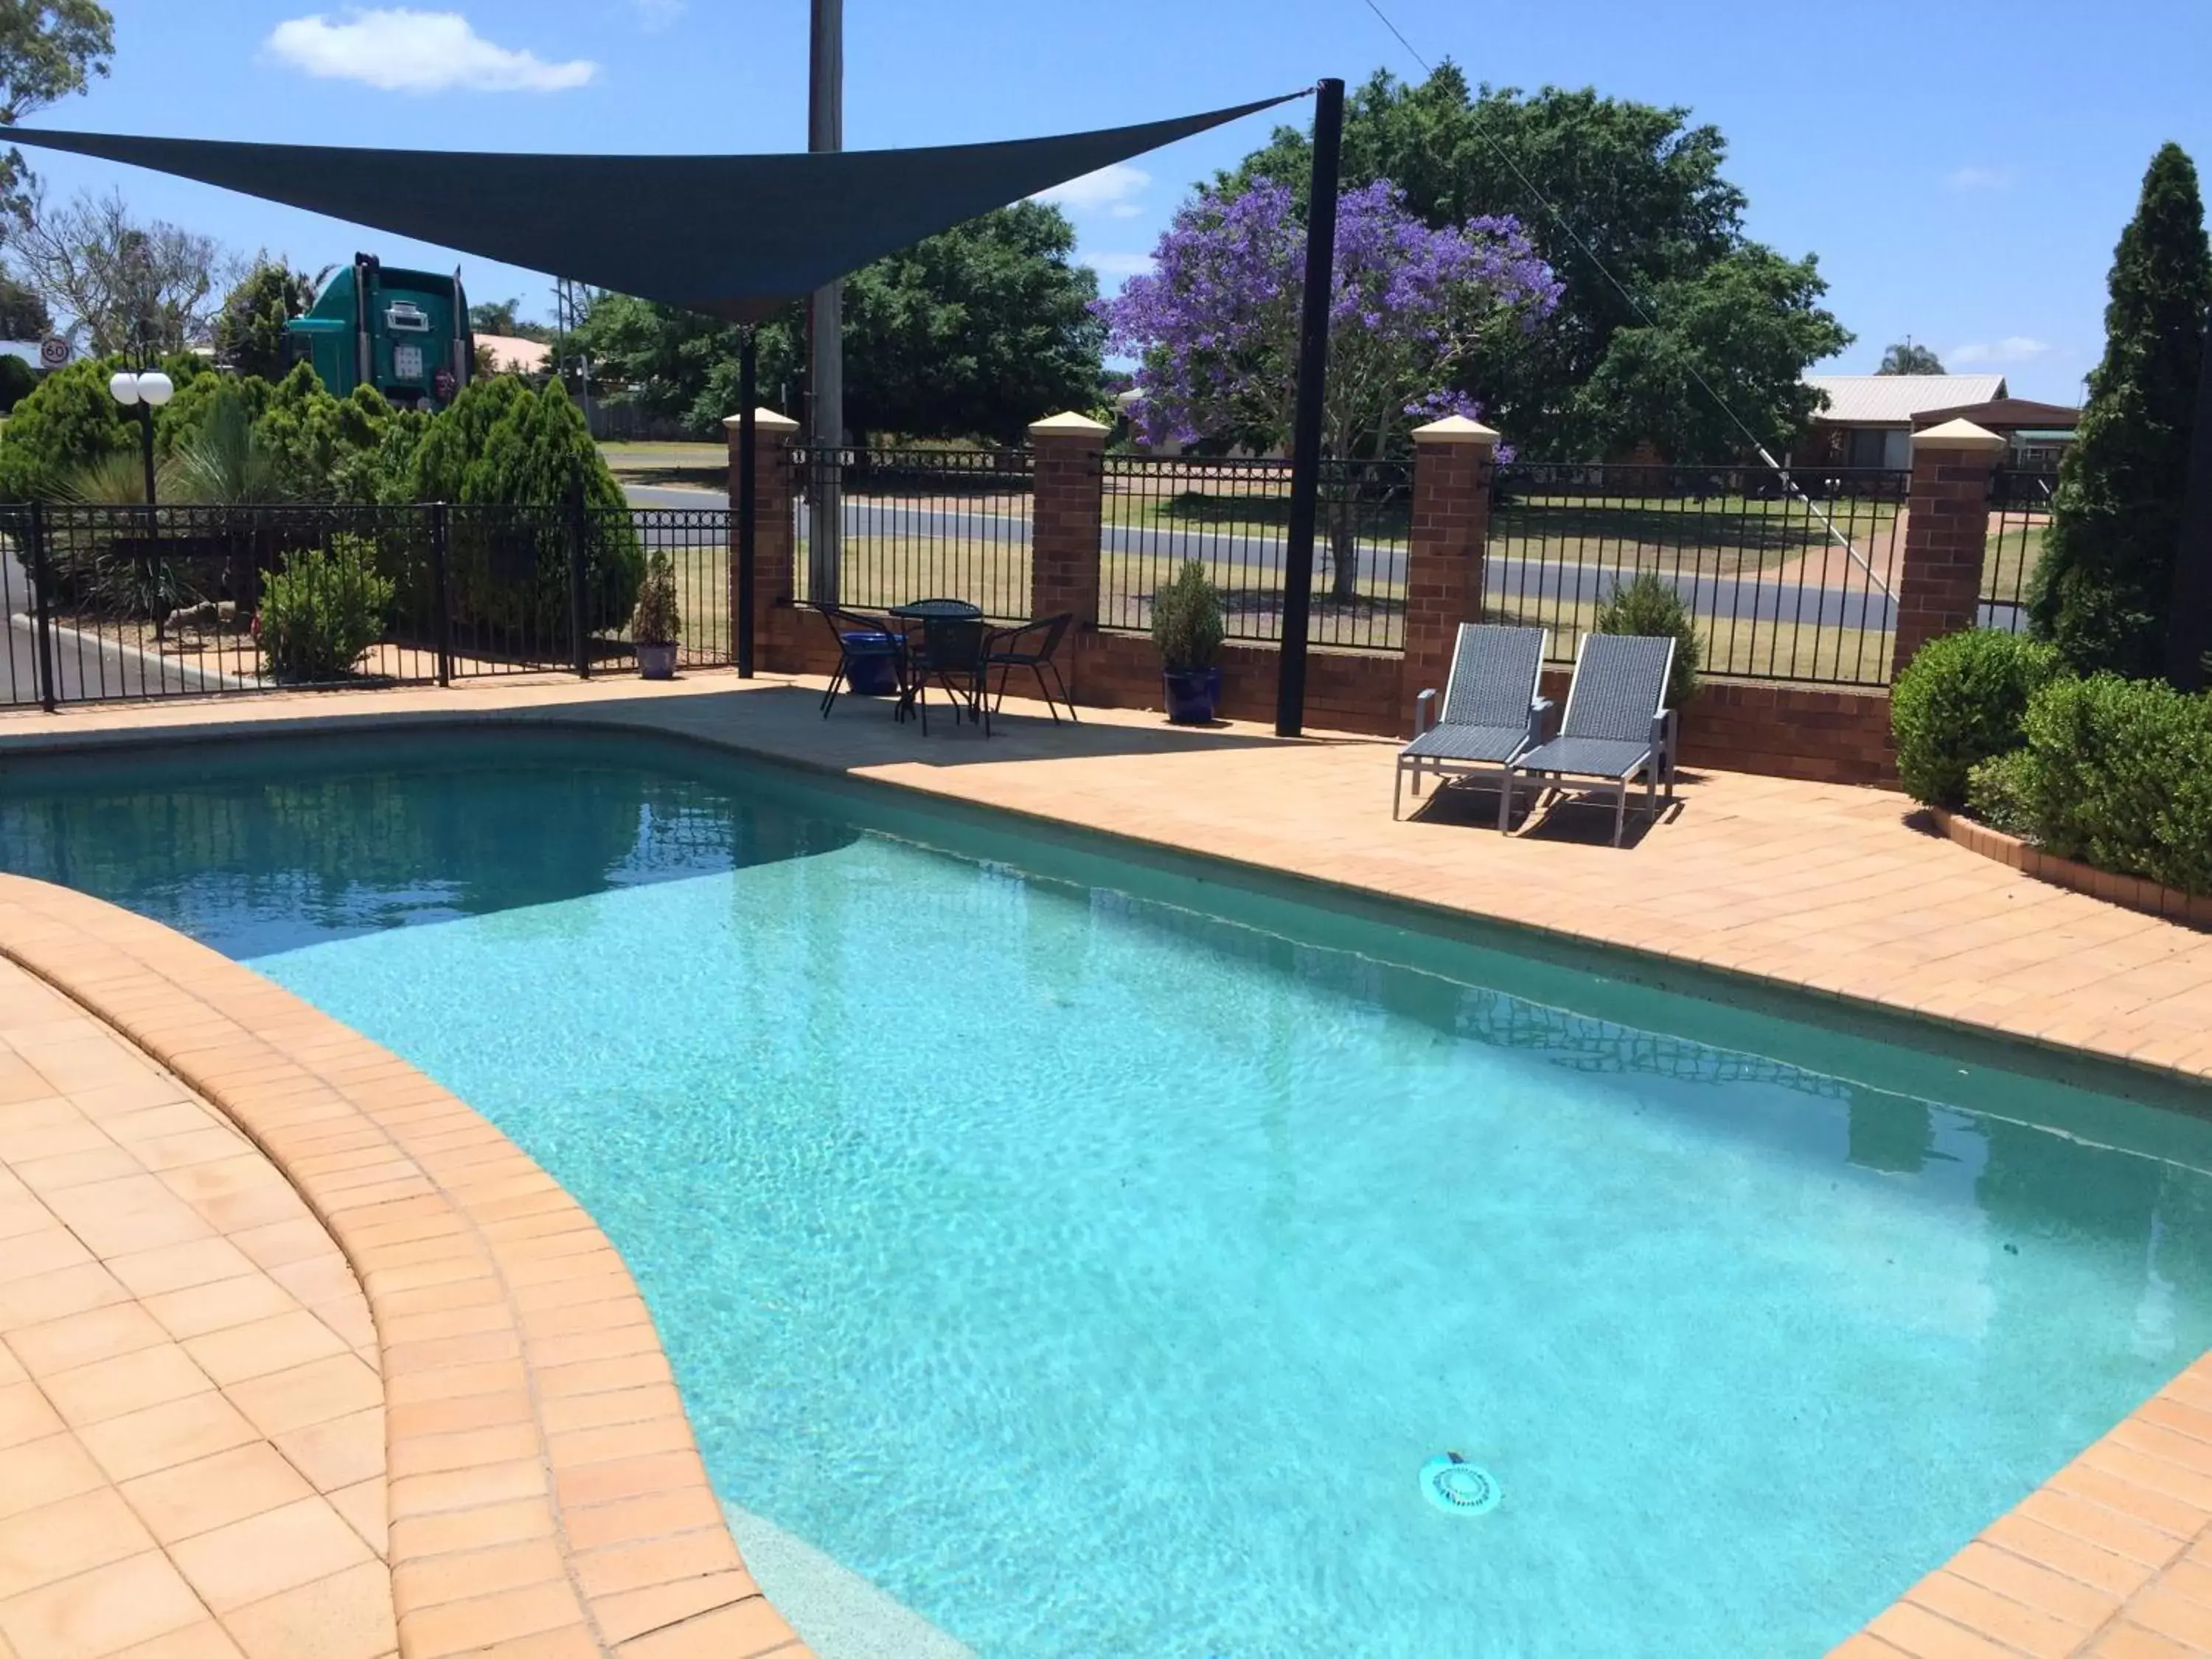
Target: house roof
[
  {"x": 508, "y": 352},
  {"x": 2006, "y": 415},
  {"x": 1898, "y": 399}
]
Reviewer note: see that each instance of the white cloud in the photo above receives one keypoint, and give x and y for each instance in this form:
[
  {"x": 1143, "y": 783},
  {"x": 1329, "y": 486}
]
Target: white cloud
[
  {"x": 1118, "y": 265},
  {"x": 2013, "y": 349},
  {"x": 403, "y": 51},
  {"x": 1110, "y": 190},
  {"x": 1978, "y": 178}
]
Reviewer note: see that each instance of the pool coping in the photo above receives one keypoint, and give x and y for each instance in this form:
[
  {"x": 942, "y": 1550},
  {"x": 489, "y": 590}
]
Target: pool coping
[{"x": 527, "y": 1397}]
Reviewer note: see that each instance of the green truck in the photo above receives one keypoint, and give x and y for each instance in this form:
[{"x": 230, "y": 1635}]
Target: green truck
[{"x": 405, "y": 332}]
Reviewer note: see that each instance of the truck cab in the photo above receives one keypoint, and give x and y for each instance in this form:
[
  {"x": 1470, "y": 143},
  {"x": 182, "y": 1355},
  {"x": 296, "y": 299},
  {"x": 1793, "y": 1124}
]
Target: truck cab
[{"x": 405, "y": 332}]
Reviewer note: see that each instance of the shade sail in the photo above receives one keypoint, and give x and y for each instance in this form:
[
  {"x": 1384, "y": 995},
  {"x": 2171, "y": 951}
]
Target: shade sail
[{"x": 733, "y": 236}]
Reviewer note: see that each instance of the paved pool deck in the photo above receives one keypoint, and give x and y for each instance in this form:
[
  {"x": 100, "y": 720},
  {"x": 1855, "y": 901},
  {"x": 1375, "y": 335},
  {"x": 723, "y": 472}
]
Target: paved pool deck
[{"x": 1804, "y": 887}]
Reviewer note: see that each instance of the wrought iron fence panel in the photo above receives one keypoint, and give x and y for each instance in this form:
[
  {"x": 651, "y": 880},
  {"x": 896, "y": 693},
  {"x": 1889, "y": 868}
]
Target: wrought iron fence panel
[
  {"x": 1786, "y": 577},
  {"x": 918, "y": 524},
  {"x": 2020, "y": 516}
]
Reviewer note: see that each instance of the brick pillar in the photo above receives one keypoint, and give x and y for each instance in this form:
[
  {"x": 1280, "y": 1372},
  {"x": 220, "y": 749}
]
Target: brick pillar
[
  {"x": 1947, "y": 528},
  {"x": 1452, "y": 460},
  {"x": 775, "y": 638},
  {"x": 1066, "y": 508}
]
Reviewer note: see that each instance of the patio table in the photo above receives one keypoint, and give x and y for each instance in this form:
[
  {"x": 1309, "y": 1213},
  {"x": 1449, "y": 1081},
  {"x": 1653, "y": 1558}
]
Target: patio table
[{"x": 951, "y": 646}]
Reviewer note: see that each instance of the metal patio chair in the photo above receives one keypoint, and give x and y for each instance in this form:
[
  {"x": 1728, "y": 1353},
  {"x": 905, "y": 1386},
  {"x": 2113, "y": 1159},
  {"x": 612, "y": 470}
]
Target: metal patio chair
[
  {"x": 1004, "y": 650},
  {"x": 1617, "y": 726},
  {"x": 1491, "y": 710},
  {"x": 892, "y": 650},
  {"x": 950, "y": 650}
]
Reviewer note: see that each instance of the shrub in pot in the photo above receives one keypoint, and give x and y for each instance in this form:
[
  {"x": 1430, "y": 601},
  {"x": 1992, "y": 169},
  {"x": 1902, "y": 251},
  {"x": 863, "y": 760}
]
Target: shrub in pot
[
  {"x": 1186, "y": 627},
  {"x": 656, "y": 626},
  {"x": 1959, "y": 702}
]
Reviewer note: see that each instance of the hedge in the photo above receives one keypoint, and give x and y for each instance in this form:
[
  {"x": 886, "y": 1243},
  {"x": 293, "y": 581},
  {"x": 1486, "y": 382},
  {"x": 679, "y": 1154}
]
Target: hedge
[{"x": 1959, "y": 702}]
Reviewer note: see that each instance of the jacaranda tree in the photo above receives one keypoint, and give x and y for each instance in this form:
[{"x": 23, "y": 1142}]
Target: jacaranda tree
[{"x": 1215, "y": 326}]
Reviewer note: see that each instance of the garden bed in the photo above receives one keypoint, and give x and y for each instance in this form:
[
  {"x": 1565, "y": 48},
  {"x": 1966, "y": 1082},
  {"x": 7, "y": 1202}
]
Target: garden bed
[{"x": 2134, "y": 892}]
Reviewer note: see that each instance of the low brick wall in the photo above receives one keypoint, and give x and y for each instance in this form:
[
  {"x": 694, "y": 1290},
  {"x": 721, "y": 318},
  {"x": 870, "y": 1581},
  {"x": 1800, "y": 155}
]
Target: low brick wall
[{"x": 1346, "y": 690}]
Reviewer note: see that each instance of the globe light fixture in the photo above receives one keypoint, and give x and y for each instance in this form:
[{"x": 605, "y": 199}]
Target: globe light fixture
[{"x": 144, "y": 393}]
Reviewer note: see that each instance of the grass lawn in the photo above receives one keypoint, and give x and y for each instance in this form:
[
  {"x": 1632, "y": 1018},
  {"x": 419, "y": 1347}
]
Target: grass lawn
[
  {"x": 2010, "y": 554},
  {"x": 1718, "y": 536}
]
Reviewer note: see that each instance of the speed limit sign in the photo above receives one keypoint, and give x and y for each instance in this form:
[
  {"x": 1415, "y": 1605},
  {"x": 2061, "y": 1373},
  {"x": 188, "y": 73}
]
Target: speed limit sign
[{"x": 53, "y": 351}]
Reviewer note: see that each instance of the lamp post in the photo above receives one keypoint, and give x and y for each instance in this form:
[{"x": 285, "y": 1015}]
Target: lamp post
[{"x": 146, "y": 392}]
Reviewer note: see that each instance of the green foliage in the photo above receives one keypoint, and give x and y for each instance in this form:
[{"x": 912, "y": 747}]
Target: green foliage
[
  {"x": 65, "y": 425},
  {"x": 1652, "y": 609},
  {"x": 974, "y": 333},
  {"x": 322, "y": 611},
  {"x": 1187, "y": 624},
  {"x": 227, "y": 459},
  {"x": 1960, "y": 701},
  {"x": 657, "y": 620},
  {"x": 18, "y": 379},
  {"x": 249, "y": 332},
  {"x": 2000, "y": 791},
  {"x": 48, "y": 51},
  {"x": 1641, "y": 187},
  {"x": 502, "y": 444},
  {"x": 1907, "y": 358},
  {"x": 23, "y": 313},
  {"x": 2119, "y": 774},
  {"x": 2104, "y": 583}
]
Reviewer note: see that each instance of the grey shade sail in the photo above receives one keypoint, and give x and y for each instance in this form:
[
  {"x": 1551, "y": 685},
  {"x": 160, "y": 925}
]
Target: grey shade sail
[{"x": 733, "y": 236}]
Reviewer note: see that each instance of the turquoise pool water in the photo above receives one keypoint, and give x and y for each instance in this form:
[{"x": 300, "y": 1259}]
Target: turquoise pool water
[{"x": 1094, "y": 1273}]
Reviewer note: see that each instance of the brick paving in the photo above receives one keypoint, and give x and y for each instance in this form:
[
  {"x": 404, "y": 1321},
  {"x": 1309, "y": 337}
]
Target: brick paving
[{"x": 1823, "y": 888}]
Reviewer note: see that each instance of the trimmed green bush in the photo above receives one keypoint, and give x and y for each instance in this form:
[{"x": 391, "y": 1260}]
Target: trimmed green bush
[
  {"x": 322, "y": 611},
  {"x": 2118, "y": 775},
  {"x": 1999, "y": 793},
  {"x": 1650, "y": 609},
  {"x": 1959, "y": 702},
  {"x": 1187, "y": 623}
]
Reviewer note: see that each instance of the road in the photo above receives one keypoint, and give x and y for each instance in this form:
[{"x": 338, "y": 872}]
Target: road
[
  {"x": 1537, "y": 584},
  {"x": 86, "y": 667}
]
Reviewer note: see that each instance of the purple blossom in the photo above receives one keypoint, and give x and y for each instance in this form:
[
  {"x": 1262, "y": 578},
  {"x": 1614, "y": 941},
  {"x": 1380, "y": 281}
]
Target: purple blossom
[{"x": 1215, "y": 328}]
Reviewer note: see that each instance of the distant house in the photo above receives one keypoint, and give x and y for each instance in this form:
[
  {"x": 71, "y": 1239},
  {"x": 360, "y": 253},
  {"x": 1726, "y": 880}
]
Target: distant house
[
  {"x": 510, "y": 356},
  {"x": 1869, "y": 418},
  {"x": 2038, "y": 433}
]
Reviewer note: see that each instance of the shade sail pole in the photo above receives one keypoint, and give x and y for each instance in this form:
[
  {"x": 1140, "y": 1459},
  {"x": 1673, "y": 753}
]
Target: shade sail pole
[
  {"x": 825, "y": 320},
  {"x": 748, "y": 493},
  {"x": 1305, "y": 422}
]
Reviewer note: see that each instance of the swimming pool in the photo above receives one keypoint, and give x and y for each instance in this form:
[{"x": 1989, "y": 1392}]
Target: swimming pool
[{"x": 1091, "y": 1254}]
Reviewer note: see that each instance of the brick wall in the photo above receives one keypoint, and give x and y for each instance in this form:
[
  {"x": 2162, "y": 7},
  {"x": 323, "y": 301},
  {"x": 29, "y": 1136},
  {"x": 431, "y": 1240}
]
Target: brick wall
[{"x": 1946, "y": 527}]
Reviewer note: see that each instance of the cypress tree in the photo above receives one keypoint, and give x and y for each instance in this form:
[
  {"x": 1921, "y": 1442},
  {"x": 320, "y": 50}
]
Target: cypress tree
[{"x": 2104, "y": 585}]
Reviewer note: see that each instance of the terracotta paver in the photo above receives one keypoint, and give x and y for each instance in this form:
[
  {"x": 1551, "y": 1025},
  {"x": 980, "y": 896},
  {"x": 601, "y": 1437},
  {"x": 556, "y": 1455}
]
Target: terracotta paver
[
  {"x": 468, "y": 1254},
  {"x": 300, "y": 1432},
  {"x": 116, "y": 1522}
]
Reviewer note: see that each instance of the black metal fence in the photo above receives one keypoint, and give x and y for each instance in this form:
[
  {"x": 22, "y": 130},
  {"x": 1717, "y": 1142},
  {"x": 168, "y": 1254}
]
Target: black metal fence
[
  {"x": 2019, "y": 515},
  {"x": 129, "y": 602},
  {"x": 1232, "y": 516},
  {"x": 919, "y": 524},
  {"x": 1785, "y": 579}
]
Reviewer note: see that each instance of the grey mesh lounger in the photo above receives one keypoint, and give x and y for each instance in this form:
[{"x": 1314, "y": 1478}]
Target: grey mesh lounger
[
  {"x": 1617, "y": 725},
  {"x": 1491, "y": 709}
]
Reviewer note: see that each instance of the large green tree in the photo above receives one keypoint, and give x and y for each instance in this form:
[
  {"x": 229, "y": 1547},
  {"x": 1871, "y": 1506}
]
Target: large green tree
[
  {"x": 48, "y": 50},
  {"x": 2104, "y": 585},
  {"x": 1638, "y": 187},
  {"x": 249, "y": 330},
  {"x": 972, "y": 332}
]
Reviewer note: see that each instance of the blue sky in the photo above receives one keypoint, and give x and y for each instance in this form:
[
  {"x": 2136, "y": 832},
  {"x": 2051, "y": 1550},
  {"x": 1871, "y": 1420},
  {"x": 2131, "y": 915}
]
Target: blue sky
[{"x": 1962, "y": 172}]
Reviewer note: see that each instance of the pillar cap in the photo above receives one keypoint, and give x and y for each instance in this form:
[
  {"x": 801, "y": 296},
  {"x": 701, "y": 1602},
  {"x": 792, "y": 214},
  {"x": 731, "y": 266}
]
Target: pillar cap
[
  {"x": 1068, "y": 424},
  {"x": 1455, "y": 429},
  {"x": 1959, "y": 434},
  {"x": 764, "y": 420}
]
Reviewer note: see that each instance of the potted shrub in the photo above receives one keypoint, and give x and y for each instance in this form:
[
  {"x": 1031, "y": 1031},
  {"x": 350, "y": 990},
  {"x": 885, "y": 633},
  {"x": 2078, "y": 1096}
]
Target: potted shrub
[
  {"x": 656, "y": 625},
  {"x": 1187, "y": 629}
]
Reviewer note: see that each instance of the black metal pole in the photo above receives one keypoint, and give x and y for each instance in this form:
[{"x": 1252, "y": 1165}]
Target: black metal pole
[
  {"x": 42, "y": 606},
  {"x": 146, "y": 445},
  {"x": 1305, "y": 424},
  {"x": 2189, "y": 622},
  {"x": 748, "y": 502}
]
